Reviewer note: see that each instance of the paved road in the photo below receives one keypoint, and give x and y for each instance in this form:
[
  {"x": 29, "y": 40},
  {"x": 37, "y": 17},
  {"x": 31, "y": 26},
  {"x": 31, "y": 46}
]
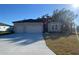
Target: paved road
[{"x": 24, "y": 44}]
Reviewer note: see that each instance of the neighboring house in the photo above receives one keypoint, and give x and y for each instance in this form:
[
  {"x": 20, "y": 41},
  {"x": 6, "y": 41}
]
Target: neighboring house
[
  {"x": 4, "y": 27},
  {"x": 36, "y": 26}
]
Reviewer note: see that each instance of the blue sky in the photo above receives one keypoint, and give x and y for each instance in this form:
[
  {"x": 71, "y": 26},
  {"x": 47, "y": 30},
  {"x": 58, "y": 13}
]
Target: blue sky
[{"x": 14, "y": 12}]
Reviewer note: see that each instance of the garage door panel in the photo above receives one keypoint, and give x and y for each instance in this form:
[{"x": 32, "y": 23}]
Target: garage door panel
[
  {"x": 34, "y": 29},
  {"x": 19, "y": 29}
]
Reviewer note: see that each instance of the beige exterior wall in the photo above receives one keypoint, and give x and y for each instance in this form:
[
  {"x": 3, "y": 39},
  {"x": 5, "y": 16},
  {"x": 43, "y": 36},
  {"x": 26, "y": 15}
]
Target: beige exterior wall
[
  {"x": 54, "y": 27},
  {"x": 28, "y": 27}
]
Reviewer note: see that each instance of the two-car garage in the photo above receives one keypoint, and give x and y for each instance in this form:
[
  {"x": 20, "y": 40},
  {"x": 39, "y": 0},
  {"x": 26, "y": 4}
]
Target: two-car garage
[{"x": 28, "y": 27}]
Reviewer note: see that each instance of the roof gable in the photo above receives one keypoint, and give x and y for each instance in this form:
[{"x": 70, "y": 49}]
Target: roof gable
[{"x": 2, "y": 24}]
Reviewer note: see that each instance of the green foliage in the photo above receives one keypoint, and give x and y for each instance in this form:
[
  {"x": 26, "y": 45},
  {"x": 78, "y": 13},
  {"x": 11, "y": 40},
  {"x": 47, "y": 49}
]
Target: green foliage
[{"x": 63, "y": 15}]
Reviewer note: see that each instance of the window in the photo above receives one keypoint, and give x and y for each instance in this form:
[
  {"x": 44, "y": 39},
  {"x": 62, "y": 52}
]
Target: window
[{"x": 55, "y": 27}]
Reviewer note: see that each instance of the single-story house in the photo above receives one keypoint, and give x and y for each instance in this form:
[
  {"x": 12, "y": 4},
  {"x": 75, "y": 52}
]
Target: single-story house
[
  {"x": 4, "y": 27},
  {"x": 36, "y": 26}
]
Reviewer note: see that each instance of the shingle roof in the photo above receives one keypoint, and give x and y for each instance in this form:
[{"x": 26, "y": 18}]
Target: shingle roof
[
  {"x": 29, "y": 20},
  {"x": 2, "y": 24}
]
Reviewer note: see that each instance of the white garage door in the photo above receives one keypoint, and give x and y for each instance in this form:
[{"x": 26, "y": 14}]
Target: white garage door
[
  {"x": 19, "y": 29},
  {"x": 29, "y": 28},
  {"x": 34, "y": 28}
]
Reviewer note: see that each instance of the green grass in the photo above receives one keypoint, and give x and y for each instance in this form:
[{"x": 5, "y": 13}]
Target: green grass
[
  {"x": 63, "y": 45},
  {"x": 5, "y": 32}
]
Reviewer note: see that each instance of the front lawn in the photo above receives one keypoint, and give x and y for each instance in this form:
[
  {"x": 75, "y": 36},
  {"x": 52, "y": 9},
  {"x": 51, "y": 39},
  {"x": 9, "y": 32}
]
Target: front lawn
[
  {"x": 5, "y": 32},
  {"x": 62, "y": 44}
]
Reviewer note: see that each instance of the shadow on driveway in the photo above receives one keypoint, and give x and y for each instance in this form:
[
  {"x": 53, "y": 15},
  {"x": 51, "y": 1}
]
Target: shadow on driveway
[{"x": 22, "y": 39}]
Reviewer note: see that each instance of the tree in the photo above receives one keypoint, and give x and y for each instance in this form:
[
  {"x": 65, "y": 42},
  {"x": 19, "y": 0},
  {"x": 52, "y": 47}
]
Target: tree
[{"x": 66, "y": 17}]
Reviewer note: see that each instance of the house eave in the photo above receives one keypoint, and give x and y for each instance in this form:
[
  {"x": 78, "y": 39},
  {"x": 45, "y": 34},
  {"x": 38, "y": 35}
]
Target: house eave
[{"x": 29, "y": 20}]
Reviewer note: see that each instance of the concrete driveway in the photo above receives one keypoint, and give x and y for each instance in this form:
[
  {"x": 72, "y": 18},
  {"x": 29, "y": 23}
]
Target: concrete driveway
[{"x": 23, "y": 44}]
